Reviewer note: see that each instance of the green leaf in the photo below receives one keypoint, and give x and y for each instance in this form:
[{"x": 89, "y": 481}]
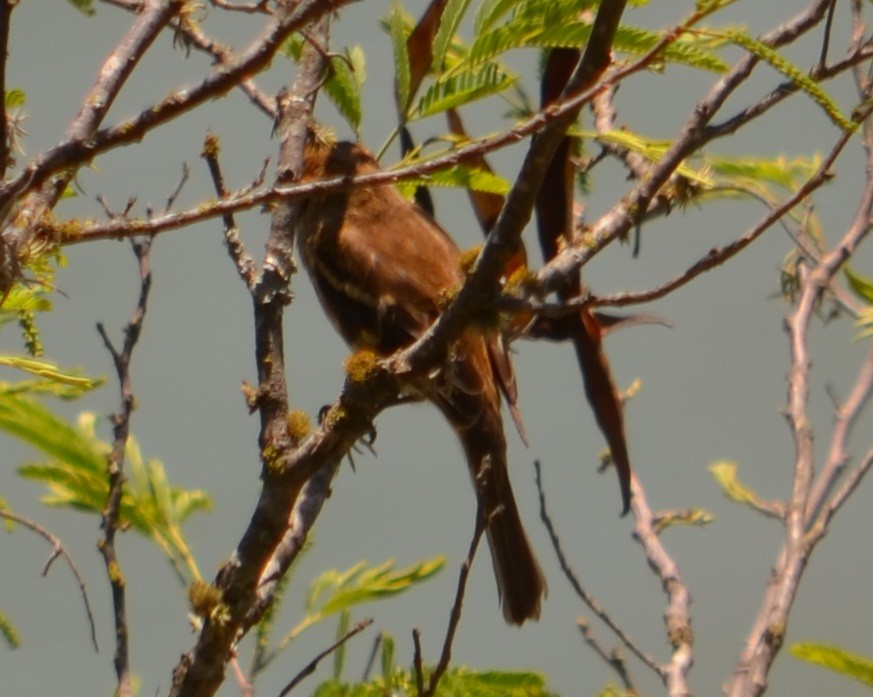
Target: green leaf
[
  {"x": 836, "y": 659},
  {"x": 76, "y": 478},
  {"x": 52, "y": 372},
  {"x": 399, "y": 28},
  {"x": 14, "y": 98},
  {"x": 460, "y": 176},
  {"x": 344, "y": 82},
  {"x": 387, "y": 658},
  {"x": 725, "y": 474},
  {"x": 781, "y": 171},
  {"x": 635, "y": 41},
  {"x": 798, "y": 77},
  {"x": 551, "y": 27},
  {"x": 865, "y": 323},
  {"x": 344, "y": 85},
  {"x": 650, "y": 148},
  {"x": 691, "y": 516},
  {"x": 339, "y": 653},
  {"x": 334, "y": 591},
  {"x": 86, "y": 7},
  {"x": 452, "y": 15},
  {"x": 32, "y": 423},
  {"x": 456, "y": 682},
  {"x": 376, "y": 583},
  {"x": 9, "y": 632},
  {"x": 862, "y": 286},
  {"x": 462, "y": 88}
]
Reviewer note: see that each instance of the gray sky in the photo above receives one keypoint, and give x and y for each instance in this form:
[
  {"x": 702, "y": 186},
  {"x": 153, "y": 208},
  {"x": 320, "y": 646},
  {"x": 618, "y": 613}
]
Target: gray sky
[{"x": 712, "y": 388}]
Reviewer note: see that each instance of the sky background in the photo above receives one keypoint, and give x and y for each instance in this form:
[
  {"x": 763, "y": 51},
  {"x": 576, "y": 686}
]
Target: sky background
[{"x": 713, "y": 388}]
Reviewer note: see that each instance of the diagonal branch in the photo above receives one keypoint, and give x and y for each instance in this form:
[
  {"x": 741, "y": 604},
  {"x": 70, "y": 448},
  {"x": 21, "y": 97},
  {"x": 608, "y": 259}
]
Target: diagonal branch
[
  {"x": 580, "y": 590},
  {"x": 76, "y": 151},
  {"x": 58, "y": 549}
]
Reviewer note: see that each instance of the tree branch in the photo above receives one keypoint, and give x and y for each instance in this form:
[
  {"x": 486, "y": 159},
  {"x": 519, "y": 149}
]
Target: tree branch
[
  {"x": 121, "y": 428},
  {"x": 584, "y": 595},
  {"x": 766, "y": 637},
  {"x": 58, "y": 549},
  {"x": 77, "y": 150},
  {"x": 201, "y": 671},
  {"x": 677, "y": 616}
]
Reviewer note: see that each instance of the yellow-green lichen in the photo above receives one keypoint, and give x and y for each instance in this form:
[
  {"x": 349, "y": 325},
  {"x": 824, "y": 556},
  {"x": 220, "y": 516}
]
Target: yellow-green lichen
[
  {"x": 299, "y": 425},
  {"x": 204, "y": 598},
  {"x": 361, "y": 365}
]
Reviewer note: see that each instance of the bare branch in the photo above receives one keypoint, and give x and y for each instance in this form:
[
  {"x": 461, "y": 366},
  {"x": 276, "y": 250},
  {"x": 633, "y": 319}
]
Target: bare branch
[
  {"x": 482, "y": 516},
  {"x": 766, "y": 637},
  {"x": 694, "y": 134},
  {"x": 6, "y": 7},
  {"x": 313, "y": 664},
  {"x": 78, "y": 149},
  {"x": 121, "y": 428},
  {"x": 259, "y": 6},
  {"x": 677, "y": 616},
  {"x": 614, "y": 659},
  {"x": 837, "y": 459},
  {"x": 584, "y": 595},
  {"x": 201, "y": 671},
  {"x": 57, "y": 549},
  {"x": 245, "y": 265},
  {"x": 547, "y": 119},
  {"x": 718, "y": 256},
  {"x": 117, "y": 68}
]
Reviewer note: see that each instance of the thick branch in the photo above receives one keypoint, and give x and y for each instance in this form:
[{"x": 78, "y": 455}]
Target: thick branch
[
  {"x": 76, "y": 151},
  {"x": 202, "y": 670},
  {"x": 623, "y": 216}
]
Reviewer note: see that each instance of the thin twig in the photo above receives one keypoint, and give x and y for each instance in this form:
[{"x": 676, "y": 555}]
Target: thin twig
[
  {"x": 614, "y": 659},
  {"x": 117, "y": 68},
  {"x": 847, "y": 416},
  {"x": 313, "y": 664},
  {"x": 371, "y": 659},
  {"x": 57, "y": 549},
  {"x": 677, "y": 616},
  {"x": 694, "y": 134},
  {"x": 584, "y": 595},
  {"x": 482, "y": 523},
  {"x": 719, "y": 255},
  {"x": 417, "y": 661},
  {"x": 6, "y": 7},
  {"x": 121, "y": 427},
  {"x": 244, "y": 263},
  {"x": 826, "y": 40}
]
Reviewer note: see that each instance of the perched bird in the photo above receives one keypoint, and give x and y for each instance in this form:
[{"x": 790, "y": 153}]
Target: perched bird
[{"x": 383, "y": 270}]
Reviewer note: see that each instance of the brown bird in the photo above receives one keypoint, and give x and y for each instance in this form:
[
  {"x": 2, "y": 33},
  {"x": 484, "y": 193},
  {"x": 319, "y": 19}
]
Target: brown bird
[{"x": 382, "y": 269}]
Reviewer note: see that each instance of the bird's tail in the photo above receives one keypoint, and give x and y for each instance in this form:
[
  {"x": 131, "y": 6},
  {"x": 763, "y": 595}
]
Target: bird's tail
[{"x": 474, "y": 411}]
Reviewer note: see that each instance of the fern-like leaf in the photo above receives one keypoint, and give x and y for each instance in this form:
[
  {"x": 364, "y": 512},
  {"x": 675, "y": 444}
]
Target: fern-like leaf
[
  {"x": 461, "y": 89},
  {"x": 798, "y": 77},
  {"x": 452, "y": 16},
  {"x": 399, "y": 28}
]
